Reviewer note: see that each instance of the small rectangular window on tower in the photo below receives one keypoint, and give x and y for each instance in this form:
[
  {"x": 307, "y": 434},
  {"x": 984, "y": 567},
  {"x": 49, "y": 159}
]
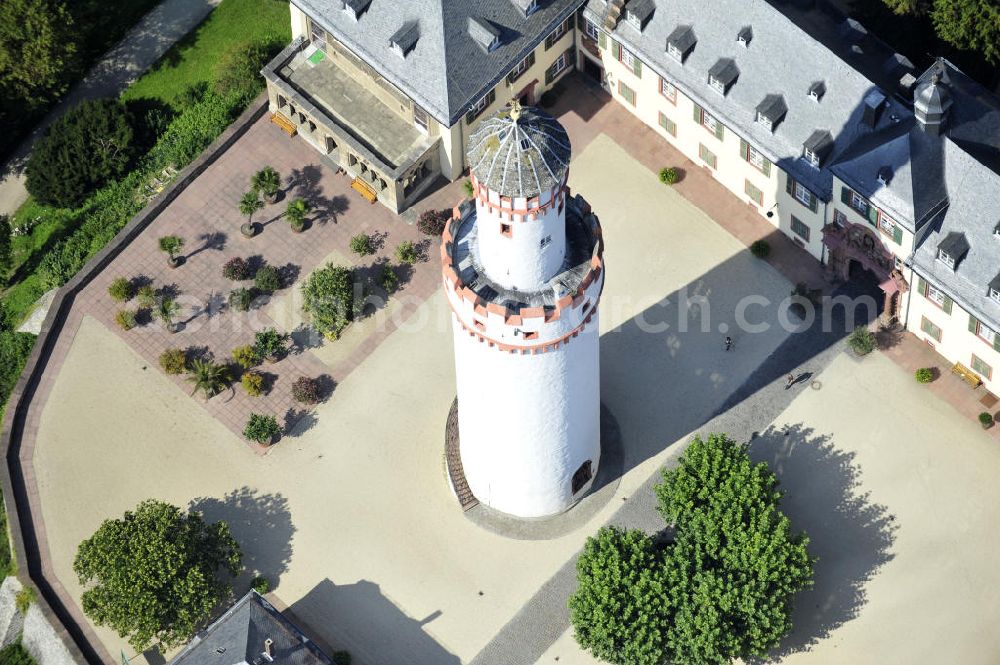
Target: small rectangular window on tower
[
  {"x": 530, "y": 335},
  {"x": 545, "y": 241},
  {"x": 505, "y": 230}
]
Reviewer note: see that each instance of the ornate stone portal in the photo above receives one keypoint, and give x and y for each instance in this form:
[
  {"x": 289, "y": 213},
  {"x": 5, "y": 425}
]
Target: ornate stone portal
[{"x": 856, "y": 247}]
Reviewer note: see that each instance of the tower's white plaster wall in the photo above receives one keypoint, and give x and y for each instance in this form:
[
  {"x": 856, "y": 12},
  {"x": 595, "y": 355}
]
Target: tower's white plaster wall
[
  {"x": 528, "y": 422},
  {"x": 520, "y": 260}
]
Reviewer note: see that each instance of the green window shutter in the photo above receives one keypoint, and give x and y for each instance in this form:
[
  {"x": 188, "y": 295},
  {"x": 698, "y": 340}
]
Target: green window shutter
[
  {"x": 845, "y": 195},
  {"x": 767, "y": 167},
  {"x": 789, "y": 184},
  {"x": 602, "y": 39},
  {"x": 996, "y": 342},
  {"x": 697, "y": 113},
  {"x": 637, "y": 70},
  {"x": 921, "y": 286},
  {"x": 813, "y": 202},
  {"x": 897, "y": 235},
  {"x": 549, "y": 75},
  {"x": 973, "y": 324},
  {"x": 946, "y": 305},
  {"x": 616, "y": 50},
  {"x": 744, "y": 150},
  {"x": 531, "y": 60},
  {"x": 720, "y": 131},
  {"x": 873, "y": 215}
]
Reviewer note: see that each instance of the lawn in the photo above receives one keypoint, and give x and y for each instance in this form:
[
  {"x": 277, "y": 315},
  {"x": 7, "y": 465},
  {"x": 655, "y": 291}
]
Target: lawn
[{"x": 191, "y": 61}]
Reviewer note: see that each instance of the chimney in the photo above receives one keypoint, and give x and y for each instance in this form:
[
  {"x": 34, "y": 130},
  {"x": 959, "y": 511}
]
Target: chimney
[
  {"x": 268, "y": 650},
  {"x": 932, "y": 102}
]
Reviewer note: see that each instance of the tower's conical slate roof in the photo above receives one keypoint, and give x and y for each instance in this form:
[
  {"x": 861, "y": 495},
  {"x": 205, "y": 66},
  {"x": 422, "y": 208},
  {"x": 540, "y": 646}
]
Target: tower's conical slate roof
[{"x": 518, "y": 152}]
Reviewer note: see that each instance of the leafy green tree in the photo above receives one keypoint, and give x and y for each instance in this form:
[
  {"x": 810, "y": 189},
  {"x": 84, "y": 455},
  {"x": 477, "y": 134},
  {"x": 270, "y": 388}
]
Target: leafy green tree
[
  {"x": 154, "y": 575},
  {"x": 208, "y": 377},
  {"x": 5, "y": 248},
  {"x": 735, "y": 564},
  {"x": 330, "y": 300},
  {"x": 90, "y": 145},
  {"x": 969, "y": 24},
  {"x": 36, "y": 52},
  {"x": 620, "y": 606},
  {"x": 249, "y": 204},
  {"x": 296, "y": 213},
  {"x": 14, "y": 350}
]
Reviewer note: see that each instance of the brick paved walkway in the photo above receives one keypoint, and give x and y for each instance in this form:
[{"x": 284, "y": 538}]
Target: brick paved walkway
[{"x": 206, "y": 216}]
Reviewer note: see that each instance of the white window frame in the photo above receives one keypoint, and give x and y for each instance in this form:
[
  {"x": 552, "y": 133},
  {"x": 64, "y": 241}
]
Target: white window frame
[
  {"x": 756, "y": 157},
  {"x": 935, "y": 295},
  {"x": 886, "y": 224},
  {"x": 559, "y": 64},
  {"x": 421, "y": 125},
  {"x": 632, "y": 19},
  {"x": 519, "y": 68},
  {"x": 559, "y": 32},
  {"x": 811, "y": 157},
  {"x": 765, "y": 121},
  {"x": 709, "y": 121},
  {"x": 972, "y": 364},
  {"x": 802, "y": 194},
  {"x": 859, "y": 203},
  {"x": 668, "y": 90},
  {"x": 946, "y": 258},
  {"x": 717, "y": 85},
  {"x": 481, "y": 105},
  {"x": 995, "y": 294},
  {"x": 626, "y": 57},
  {"x": 591, "y": 30},
  {"x": 986, "y": 333}
]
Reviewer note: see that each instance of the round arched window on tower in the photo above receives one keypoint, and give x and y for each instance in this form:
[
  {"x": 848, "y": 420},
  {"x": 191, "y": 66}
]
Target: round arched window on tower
[{"x": 582, "y": 476}]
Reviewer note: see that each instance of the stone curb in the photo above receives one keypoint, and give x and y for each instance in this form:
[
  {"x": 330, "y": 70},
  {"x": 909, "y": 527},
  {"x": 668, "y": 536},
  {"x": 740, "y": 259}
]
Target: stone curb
[{"x": 78, "y": 639}]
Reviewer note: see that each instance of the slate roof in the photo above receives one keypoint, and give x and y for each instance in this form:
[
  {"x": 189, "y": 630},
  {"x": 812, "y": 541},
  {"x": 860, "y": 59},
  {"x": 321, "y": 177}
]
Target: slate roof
[
  {"x": 238, "y": 636},
  {"x": 781, "y": 59},
  {"x": 447, "y": 69},
  {"x": 522, "y": 157}
]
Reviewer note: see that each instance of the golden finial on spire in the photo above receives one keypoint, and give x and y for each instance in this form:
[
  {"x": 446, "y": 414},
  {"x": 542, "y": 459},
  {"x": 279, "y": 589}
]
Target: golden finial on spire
[{"x": 515, "y": 110}]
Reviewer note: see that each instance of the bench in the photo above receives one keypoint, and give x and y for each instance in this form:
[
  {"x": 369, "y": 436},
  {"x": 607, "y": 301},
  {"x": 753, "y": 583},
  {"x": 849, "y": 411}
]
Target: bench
[
  {"x": 286, "y": 125},
  {"x": 967, "y": 375},
  {"x": 364, "y": 189}
]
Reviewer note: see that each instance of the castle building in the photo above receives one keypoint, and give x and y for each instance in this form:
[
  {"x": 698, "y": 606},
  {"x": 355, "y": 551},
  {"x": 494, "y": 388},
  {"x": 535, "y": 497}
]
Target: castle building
[{"x": 523, "y": 273}]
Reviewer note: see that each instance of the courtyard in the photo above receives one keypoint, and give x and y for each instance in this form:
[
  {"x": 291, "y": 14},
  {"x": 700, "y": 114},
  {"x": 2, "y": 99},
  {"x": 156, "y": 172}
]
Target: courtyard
[{"x": 350, "y": 517}]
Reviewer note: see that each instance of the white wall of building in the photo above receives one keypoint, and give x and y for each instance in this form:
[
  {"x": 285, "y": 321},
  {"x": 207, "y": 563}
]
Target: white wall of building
[{"x": 528, "y": 422}]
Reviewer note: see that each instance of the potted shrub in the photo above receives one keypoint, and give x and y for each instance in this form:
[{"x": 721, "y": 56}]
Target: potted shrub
[
  {"x": 261, "y": 429},
  {"x": 207, "y": 376},
  {"x": 271, "y": 344},
  {"x": 246, "y": 356},
  {"x": 145, "y": 296},
  {"x": 173, "y": 361},
  {"x": 120, "y": 289},
  {"x": 172, "y": 245},
  {"x": 363, "y": 245},
  {"x": 388, "y": 278},
  {"x": 125, "y": 318},
  {"x": 253, "y": 383},
  {"x": 432, "y": 222},
  {"x": 249, "y": 204},
  {"x": 760, "y": 249},
  {"x": 669, "y": 175},
  {"x": 986, "y": 420},
  {"x": 924, "y": 375},
  {"x": 306, "y": 390},
  {"x": 861, "y": 340},
  {"x": 406, "y": 252},
  {"x": 469, "y": 189},
  {"x": 236, "y": 269},
  {"x": 296, "y": 213},
  {"x": 240, "y": 299},
  {"x": 166, "y": 309},
  {"x": 268, "y": 279},
  {"x": 267, "y": 182}
]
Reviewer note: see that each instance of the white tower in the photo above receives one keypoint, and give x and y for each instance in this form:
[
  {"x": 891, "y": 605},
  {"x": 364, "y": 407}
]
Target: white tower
[{"x": 523, "y": 272}]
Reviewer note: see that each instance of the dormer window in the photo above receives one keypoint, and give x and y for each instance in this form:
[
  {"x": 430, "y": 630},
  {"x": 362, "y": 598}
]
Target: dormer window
[
  {"x": 994, "y": 288},
  {"x": 484, "y": 33},
  {"x": 995, "y": 294},
  {"x": 946, "y": 258},
  {"x": 745, "y": 36},
  {"x": 952, "y": 249},
  {"x": 637, "y": 13},
  {"x": 817, "y": 90},
  {"x": 405, "y": 39},
  {"x": 681, "y": 42},
  {"x": 771, "y": 111},
  {"x": 884, "y": 175},
  {"x": 996, "y": 231},
  {"x": 765, "y": 121},
  {"x": 355, "y": 8},
  {"x": 722, "y": 75},
  {"x": 527, "y": 7},
  {"x": 816, "y": 147}
]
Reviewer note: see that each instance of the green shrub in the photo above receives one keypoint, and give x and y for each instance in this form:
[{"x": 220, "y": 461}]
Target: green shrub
[
  {"x": 341, "y": 658},
  {"x": 363, "y": 245},
  {"x": 145, "y": 296},
  {"x": 207, "y": 376},
  {"x": 406, "y": 252},
  {"x": 268, "y": 279},
  {"x": 296, "y": 213},
  {"x": 432, "y": 222},
  {"x": 267, "y": 181},
  {"x": 389, "y": 279},
  {"x": 15, "y": 654},
  {"x": 861, "y": 340},
  {"x": 238, "y": 69},
  {"x": 468, "y": 189},
  {"x": 986, "y": 420},
  {"x": 5, "y": 251},
  {"x": 253, "y": 383},
  {"x": 260, "y": 585},
  {"x": 240, "y": 299},
  {"x": 924, "y": 375},
  {"x": 120, "y": 289},
  {"x": 246, "y": 356},
  {"x": 236, "y": 269},
  {"x": 669, "y": 175},
  {"x": 24, "y": 598},
  {"x": 306, "y": 389},
  {"x": 125, "y": 318},
  {"x": 173, "y": 361},
  {"x": 330, "y": 300},
  {"x": 261, "y": 428},
  {"x": 171, "y": 245},
  {"x": 14, "y": 350},
  {"x": 88, "y": 146},
  {"x": 269, "y": 343},
  {"x": 760, "y": 248}
]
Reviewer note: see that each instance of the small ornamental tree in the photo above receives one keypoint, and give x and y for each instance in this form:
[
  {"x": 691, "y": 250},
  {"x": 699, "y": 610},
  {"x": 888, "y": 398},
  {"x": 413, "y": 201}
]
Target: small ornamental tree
[
  {"x": 267, "y": 181},
  {"x": 270, "y": 344},
  {"x": 209, "y": 377},
  {"x": 171, "y": 246},
  {"x": 125, "y": 318},
  {"x": 88, "y": 146},
  {"x": 363, "y": 245},
  {"x": 406, "y": 252},
  {"x": 267, "y": 279},
  {"x": 236, "y": 269},
  {"x": 261, "y": 429},
  {"x": 156, "y": 575},
  {"x": 120, "y": 289},
  {"x": 145, "y": 296},
  {"x": 253, "y": 383},
  {"x": 330, "y": 300},
  {"x": 306, "y": 389},
  {"x": 249, "y": 204},
  {"x": 388, "y": 279},
  {"x": 861, "y": 340},
  {"x": 173, "y": 361},
  {"x": 431, "y": 222},
  {"x": 246, "y": 356},
  {"x": 240, "y": 299},
  {"x": 296, "y": 213}
]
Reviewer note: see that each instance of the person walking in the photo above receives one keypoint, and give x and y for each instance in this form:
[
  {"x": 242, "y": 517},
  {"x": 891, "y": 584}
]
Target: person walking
[
  {"x": 729, "y": 342},
  {"x": 789, "y": 380}
]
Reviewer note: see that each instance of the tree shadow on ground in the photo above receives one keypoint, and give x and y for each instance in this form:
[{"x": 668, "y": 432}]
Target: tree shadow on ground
[
  {"x": 358, "y": 617},
  {"x": 214, "y": 240},
  {"x": 849, "y": 533},
  {"x": 307, "y": 184},
  {"x": 261, "y": 524}
]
